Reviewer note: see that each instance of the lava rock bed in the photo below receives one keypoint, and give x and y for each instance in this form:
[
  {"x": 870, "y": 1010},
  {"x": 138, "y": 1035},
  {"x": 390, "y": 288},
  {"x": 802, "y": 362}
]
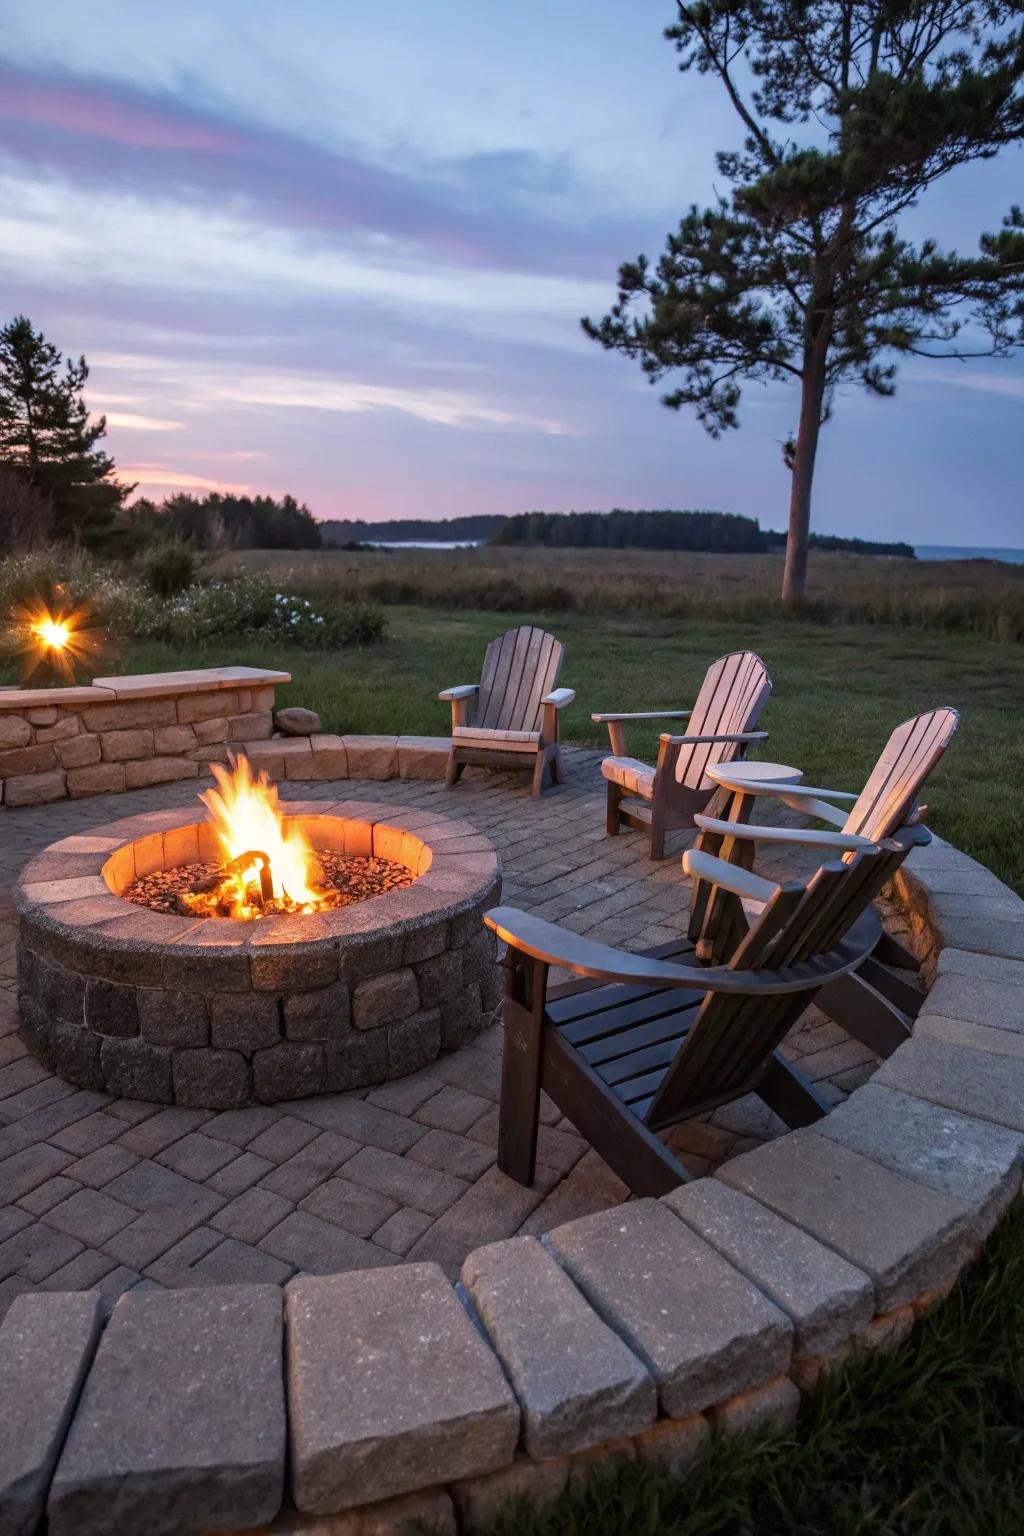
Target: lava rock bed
[{"x": 346, "y": 878}]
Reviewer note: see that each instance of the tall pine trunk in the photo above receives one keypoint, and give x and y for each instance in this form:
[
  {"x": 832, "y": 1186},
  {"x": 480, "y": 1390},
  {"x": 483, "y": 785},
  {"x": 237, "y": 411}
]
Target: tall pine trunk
[{"x": 794, "y": 579}]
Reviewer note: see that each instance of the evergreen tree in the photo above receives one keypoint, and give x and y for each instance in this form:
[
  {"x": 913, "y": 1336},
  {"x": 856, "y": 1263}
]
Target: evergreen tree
[
  {"x": 802, "y": 274},
  {"x": 46, "y": 434}
]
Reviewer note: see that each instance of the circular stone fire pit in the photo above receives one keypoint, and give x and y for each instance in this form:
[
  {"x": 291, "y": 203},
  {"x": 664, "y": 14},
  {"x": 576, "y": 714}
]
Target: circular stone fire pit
[{"x": 217, "y": 1013}]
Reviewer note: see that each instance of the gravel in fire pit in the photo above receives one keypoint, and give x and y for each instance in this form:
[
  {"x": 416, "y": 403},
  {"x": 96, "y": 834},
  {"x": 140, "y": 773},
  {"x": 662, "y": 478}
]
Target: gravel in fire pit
[{"x": 349, "y": 878}]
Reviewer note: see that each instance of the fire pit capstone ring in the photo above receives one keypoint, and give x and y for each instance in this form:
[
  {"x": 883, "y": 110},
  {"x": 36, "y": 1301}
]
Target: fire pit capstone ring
[{"x": 217, "y": 1013}]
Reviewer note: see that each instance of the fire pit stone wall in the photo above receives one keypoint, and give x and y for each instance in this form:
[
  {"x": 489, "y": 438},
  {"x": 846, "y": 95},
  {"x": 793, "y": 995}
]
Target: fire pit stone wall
[{"x": 217, "y": 1013}]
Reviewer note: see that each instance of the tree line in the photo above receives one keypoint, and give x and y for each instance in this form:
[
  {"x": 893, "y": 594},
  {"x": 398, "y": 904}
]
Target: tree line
[
  {"x": 714, "y": 532},
  {"x": 725, "y": 532},
  {"x": 216, "y": 522}
]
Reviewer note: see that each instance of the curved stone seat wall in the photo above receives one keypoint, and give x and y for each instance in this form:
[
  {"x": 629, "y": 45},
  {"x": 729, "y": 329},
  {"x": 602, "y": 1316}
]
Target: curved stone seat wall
[
  {"x": 123, "y": 733},
  {"x": 396, "y": 1396}
]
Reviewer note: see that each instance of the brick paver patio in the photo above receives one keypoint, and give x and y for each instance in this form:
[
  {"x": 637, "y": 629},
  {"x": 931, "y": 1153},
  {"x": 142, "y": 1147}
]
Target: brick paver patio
[{"x": 108, "y": 1193}]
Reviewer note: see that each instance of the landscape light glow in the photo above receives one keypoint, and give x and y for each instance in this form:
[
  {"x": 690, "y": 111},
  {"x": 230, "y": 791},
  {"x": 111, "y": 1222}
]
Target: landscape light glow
[
  {"x": 55, "y": 633},
  {"x": 55, "y": 640}
]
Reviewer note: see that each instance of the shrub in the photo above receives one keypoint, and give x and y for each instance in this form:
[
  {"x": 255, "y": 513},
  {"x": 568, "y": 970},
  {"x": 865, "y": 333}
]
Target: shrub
[
  {"x": 170, "y": 567},
  {"x": 253, "y": 607}
]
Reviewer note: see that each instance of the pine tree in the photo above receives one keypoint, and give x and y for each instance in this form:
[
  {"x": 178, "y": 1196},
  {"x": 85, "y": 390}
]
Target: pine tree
[
  {"x": 46, "y": 434},
  {"x": 801, "y": 274}
]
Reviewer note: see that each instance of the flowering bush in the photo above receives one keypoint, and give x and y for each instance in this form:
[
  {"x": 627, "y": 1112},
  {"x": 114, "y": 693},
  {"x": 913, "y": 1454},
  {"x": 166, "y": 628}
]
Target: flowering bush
[{"x": 252, "y": 607}]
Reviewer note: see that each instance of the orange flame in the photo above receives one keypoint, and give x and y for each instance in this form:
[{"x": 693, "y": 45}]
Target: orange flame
[{"x": 247, "y": 817}]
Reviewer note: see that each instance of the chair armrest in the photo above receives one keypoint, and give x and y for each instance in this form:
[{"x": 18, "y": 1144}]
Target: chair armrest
[
  {"x": 780, "y": 790},
  {"x": 809, "y": 805},
  {"x": 560, "y": 946},
  {"x": 742, "y": 882},
  {"x": 696, "y": 741},
  {"x": 649, "y": 714},
  {"x": 552, "y": 945},
  {"x": 464, "y": 691},
  {"x": 559, "y": 697},
  {"x": 807, "y": 836}
]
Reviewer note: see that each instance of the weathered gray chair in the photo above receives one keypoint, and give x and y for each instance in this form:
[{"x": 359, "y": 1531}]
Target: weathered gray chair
[
  {"x": 873, "y": 1005},
  {"x": 666, "y": 798},
  {"x": 653, "y": 1039},
  {"x": 510, "y": 718}
]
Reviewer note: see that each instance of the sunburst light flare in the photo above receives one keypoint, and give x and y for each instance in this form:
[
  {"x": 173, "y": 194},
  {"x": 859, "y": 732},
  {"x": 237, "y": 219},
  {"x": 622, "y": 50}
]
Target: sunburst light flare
[{"x": 55, "y": 641}]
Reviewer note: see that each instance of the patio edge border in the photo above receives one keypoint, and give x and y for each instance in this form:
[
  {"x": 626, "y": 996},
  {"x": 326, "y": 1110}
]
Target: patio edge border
[{"x": 501, "y": 1417}]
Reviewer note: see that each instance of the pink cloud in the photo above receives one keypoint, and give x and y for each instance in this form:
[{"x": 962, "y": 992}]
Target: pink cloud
[
  {"x": 102, "y": 113},
  {"x": 155, "y": 475}
]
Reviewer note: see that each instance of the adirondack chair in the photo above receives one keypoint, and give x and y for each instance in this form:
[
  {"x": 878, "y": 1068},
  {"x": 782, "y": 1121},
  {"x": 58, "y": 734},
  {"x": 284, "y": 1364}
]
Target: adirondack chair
[
  {"x": 654, "y": 1039},
  {"x": 510, "y": 718},
  {"x": 666, "y": 798},
  {"x": 873, "y": 1005}
]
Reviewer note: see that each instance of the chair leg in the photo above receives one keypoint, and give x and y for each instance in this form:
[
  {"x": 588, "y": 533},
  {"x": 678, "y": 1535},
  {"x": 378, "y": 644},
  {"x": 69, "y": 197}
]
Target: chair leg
[
  {"x": 657, "y": 831},
  {"x": 902, "y": 994},
  {"x": 612, "y": 824},
  {"x": 453, "y": 773},
  {"x": 864, "y": 1013},
  {"x": 891, "y": 952},
  {"x": 557, "y": 766},
  {"x": 519, "y": 1111},
  {"x": 790, "y": 1094},
  {"x": 539, "y": 767}
]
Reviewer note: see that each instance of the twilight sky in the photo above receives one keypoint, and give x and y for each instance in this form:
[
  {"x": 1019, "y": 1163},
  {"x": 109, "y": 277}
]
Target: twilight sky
[{"x": 342, "y": 250}]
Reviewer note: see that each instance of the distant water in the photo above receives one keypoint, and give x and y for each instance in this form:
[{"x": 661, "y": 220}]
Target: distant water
[
  {"x": 967, "y": 552},
  {"x": 427, "y": 543},
  {"x": 923, "y": 551}
]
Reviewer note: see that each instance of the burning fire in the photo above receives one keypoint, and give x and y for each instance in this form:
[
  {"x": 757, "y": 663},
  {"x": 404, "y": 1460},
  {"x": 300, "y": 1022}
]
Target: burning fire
[{"x": 269, "y": 868}]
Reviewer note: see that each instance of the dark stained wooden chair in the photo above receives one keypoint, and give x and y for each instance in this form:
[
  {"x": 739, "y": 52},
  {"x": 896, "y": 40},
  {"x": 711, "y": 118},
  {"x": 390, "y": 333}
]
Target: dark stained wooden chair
[
  {"x": 664, "y": 798},
  {"x": 649, "y": 1040},
  {"x": 873, "y": 1005},
  {"x": 510, "y": 718}
]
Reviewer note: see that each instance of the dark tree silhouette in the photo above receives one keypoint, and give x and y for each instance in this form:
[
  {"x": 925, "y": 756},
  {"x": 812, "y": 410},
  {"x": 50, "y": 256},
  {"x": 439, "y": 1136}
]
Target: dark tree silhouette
[{"x": 47, "y": 437}]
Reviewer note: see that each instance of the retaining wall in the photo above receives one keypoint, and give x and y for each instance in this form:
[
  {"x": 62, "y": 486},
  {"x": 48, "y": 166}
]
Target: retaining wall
[
  {"x": 128, "y": 732},
  {"x": 372, "y": 1399}
]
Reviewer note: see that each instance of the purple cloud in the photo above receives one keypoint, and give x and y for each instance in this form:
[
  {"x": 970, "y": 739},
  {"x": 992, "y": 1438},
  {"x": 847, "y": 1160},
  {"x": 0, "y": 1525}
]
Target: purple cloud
[{"x": 475, "y": 212}]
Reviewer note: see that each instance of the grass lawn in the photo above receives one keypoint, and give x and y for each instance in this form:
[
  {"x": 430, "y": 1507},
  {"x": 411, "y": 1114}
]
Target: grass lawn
[{"x": 838, "y": 693}]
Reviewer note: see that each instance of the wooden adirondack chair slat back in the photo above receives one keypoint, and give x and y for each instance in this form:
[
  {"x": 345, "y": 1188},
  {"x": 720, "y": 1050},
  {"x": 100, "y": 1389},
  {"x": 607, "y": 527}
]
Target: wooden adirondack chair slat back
[
  {"x": 733, "y": 1036},
  {"x": 735, "y": 690},
  {"x": 907, "y": 759},
  {"x": 520, "y": 667}
]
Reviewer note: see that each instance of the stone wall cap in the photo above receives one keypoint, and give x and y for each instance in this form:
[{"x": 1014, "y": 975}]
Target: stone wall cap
[
  {"x": 151, "y": 685},
  {"x": 905, "y": 1235},
  {"x": 391, "y": 1388},
  {"x": 577, "y": 1383},
  {"x": 827, "y": 1298},
  {"x": 46, "y": 1343},
  {"x": 703, "y": 1330},
  {"x": 181, "y": 1422},
  {"x": 31, "y": 698}
]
